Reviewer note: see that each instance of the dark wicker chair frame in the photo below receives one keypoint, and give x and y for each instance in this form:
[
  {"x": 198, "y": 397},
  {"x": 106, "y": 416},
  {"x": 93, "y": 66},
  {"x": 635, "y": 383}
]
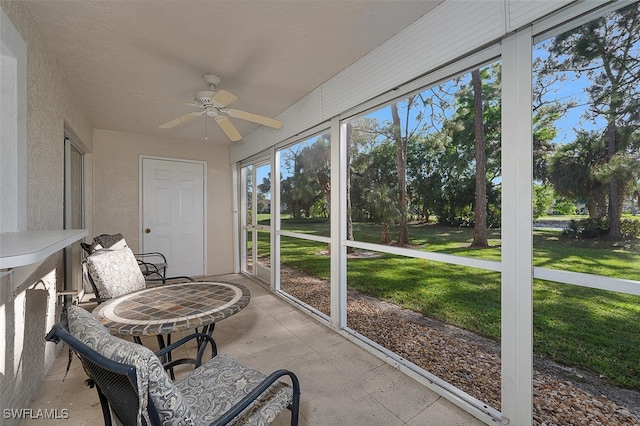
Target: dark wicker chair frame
[{"x": 118, "y": 392}]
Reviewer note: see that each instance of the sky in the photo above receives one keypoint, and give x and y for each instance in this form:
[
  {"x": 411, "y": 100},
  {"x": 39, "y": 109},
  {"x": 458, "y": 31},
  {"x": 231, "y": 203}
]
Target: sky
[{"x": 573, "y": 88}]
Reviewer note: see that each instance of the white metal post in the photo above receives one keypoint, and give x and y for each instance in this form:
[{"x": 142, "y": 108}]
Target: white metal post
[
  {"x": 517, "y": 239},
  {"x": 338, "y": 227},
  {"x": 275, "y": 219},
  {"x": 236, "y": 184}
]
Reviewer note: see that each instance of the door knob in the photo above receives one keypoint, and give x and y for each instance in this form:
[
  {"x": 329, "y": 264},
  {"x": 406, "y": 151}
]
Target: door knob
[{"x": 147, "y": 230}]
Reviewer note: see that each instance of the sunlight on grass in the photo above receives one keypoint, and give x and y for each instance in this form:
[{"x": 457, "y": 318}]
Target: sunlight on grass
[{"x": 593, "y": 329}]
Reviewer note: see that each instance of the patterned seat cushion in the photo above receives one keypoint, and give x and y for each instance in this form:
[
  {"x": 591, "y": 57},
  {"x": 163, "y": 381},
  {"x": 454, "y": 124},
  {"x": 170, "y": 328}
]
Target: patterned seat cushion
[
  {"x": 197, "y": 399},
  {"x": 115, "y": 272},
  {"x": 216, "y": 386},
  {"x": 166, "y": 398}
]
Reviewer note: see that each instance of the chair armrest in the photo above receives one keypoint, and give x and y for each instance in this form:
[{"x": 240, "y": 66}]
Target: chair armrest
[
  {"x": 203, "y": 340},
  {"x": 181, "y": 278},
  {"x": 152, "y": 264},
  {"x": 164, "y": 280},
  {"x": 151, "y": 269},
  {"x": 151, "y": 254},
  {"x": 254, "y": 394}
]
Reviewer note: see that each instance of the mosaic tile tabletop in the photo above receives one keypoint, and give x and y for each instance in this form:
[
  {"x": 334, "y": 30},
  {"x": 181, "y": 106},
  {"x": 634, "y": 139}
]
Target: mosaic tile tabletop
[{"x": 174, "y": 307}]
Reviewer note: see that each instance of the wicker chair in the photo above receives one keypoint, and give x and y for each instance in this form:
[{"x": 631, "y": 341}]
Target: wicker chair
[{"x": 134, "y": 388}]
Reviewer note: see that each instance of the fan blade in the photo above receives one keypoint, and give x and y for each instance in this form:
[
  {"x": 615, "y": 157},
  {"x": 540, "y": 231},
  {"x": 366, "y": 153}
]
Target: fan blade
[
  {"x": 181, "y": 119},
  {"x": 228, "y": 128},
  {"x": 222, "y": 98},
  {"x": 271, "y": 122}
]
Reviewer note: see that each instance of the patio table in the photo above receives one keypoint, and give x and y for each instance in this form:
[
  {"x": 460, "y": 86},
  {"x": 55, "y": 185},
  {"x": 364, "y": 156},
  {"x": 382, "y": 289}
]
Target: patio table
[
  {"x": 173, "y": 307},
  {"x": 162, "y": 310}
]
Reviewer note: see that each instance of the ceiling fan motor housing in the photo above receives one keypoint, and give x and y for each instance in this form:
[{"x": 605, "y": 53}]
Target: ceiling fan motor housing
[{"x": 203, "y": 97}]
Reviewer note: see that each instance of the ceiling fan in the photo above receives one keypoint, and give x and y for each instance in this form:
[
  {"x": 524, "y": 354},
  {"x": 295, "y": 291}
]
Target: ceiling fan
[{"x": 215, "y": 103}]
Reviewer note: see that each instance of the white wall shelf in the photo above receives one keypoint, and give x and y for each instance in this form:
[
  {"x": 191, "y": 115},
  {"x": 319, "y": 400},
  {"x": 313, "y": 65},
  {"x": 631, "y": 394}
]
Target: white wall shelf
[{"x": 24, "y": 248}]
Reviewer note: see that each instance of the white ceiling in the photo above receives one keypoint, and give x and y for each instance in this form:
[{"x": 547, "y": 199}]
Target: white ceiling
[{"x": 269, "y": 53}]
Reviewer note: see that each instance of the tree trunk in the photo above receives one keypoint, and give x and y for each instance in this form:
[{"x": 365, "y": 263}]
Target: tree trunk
[
  {"x": 615, "y": 210},
  {"x": 325, "y": 183},
  {"x": 616, "y": 188},
  {"x": 386, "y": 236},
  {"x": 401, "y": 162},
  {"x": 480, "y": 209},
  {"x": 592, "y": 207}
]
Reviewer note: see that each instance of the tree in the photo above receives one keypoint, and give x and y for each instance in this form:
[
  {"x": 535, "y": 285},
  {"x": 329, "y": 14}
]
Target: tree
[
  {"x": 401, "y": 162},
  {"x": 607, "y": 52},
  {"x": 546, "y": 110},
  {"x": 425, "y": 154},
  {"x": 542, "y": 199},
  {"x": 573, "y": 171},
  {"x": 405, "y": 122},
  {"x": 264, "y": 190},
  {"x": 315, "y": 161},
  {"x": 421, "y": 113},
  {"x": 384, "y": 206},
  {"x": 471, "y": 162},
  {"x": 423, "y": 175},
  {"x": 299, "y": 190},
  {"x": 480, "y": 209},
  {"x": 370, "y": 163}
]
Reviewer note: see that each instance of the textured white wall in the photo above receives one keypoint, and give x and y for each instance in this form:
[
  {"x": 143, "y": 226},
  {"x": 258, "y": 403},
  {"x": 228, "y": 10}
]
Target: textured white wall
[
  {"x": 13, "y": 128},
  {"x": 27, "y": 316},
  {"x": 117, "y": 189}
]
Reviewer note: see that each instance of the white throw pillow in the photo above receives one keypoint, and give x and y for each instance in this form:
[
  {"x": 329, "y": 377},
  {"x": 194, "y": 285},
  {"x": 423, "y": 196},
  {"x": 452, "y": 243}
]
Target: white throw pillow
[{"x": 115, "y": 272}]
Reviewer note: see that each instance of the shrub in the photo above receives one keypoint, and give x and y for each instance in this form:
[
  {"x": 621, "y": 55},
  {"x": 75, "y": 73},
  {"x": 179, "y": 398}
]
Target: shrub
[
  {"x": 630, "y": 228},
  {"x": 587, "y": 228},
  {"x": 542, "y": 200},
  {"x": 565, "y": 206}
]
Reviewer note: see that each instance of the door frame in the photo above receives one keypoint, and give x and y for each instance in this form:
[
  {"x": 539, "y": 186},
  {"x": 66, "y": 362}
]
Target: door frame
[
  {"x": 73, "y": 254},
  {"x": 258, "y": 271},
  {"x": 204, "y": 203}
]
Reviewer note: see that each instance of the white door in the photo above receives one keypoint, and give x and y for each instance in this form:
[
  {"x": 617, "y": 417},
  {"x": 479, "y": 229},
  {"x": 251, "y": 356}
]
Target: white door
[{"x": 173, "y": 194}]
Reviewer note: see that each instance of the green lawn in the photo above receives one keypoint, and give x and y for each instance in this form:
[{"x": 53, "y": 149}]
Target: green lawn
[{"x": 592, "y": 329}]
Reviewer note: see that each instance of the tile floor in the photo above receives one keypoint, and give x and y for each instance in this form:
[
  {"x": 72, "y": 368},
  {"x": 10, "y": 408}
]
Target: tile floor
[{"x": 341, "y": 383}]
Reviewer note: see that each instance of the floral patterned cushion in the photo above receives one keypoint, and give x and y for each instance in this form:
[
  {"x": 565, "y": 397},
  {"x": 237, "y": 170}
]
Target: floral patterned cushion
[
  {"x": 220, "y": 383},
  {"x": 197, "y": 399},
  {"x": 115, "y": 272},
  {"x": 166, "y": 398}
]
